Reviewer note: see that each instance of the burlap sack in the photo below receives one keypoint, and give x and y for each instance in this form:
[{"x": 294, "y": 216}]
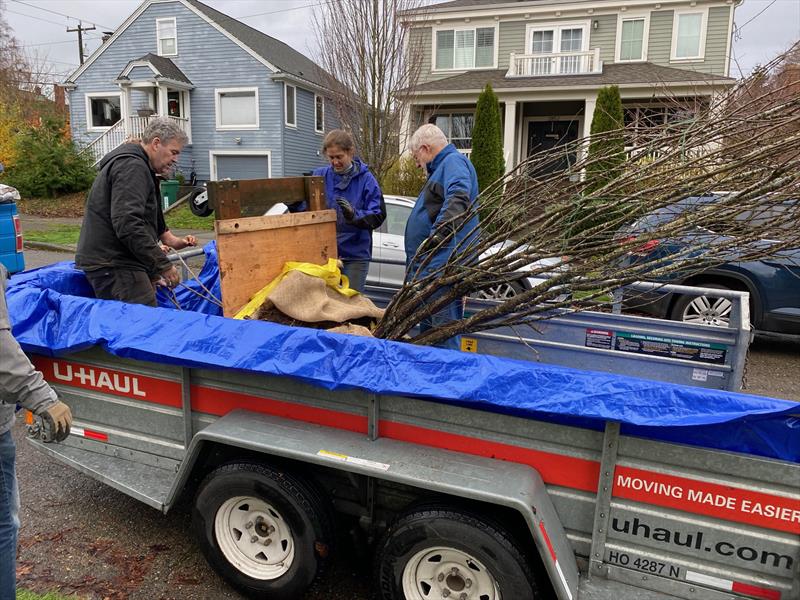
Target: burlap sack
[
  {"x": 309, "y": 299},
  {"x": 351, "y": 329}
]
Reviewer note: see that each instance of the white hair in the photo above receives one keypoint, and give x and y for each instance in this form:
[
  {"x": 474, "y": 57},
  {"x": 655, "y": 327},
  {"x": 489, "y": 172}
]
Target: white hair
[{"x": 427, "y": 135}]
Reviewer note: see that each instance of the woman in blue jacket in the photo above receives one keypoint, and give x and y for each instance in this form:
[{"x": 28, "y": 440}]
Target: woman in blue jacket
[{"x": 353, "y": 192}]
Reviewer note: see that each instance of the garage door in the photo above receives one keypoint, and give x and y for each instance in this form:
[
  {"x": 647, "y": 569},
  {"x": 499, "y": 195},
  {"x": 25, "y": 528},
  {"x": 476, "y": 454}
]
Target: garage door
[{"x": 232, "y": 166}]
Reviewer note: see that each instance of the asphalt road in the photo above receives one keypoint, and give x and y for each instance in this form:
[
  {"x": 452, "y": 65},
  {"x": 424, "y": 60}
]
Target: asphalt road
[{"x": 81, "y": 537}]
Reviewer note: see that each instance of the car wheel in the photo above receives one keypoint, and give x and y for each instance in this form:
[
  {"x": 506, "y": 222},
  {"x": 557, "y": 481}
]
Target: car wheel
[
  {"x": 198, "y": 203},
  {"x": 502, "y": 291},
  {"x": 705, "y": 309},
  {"x": 263, "y": 530},
  {"x": 438, "y": 552}
]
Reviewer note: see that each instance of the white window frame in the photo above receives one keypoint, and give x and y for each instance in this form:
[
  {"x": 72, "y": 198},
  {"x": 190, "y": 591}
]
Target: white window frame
[
  {"x": 218, "y": 113},
  {"x": 158, "y": 34},
  {"x": 213, "y": 154},
  {"x": 556, "y": 28},
  {"x": 645, "y": 36},
  {"x": 472, "y": 27},
  {"x": 286, "y": 122},
  {"x": 88, "y": 99},
  {"x": 322, "y": 98},
  {"x": 703, "y": 12}
]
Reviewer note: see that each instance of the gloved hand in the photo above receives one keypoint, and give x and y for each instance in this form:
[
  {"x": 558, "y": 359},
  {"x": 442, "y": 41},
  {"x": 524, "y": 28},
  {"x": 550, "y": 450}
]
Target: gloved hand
[
  {"x": 59, "y": 418},
  {"x": 432, "y": 242},
  {"x": 347, "y": 208}
]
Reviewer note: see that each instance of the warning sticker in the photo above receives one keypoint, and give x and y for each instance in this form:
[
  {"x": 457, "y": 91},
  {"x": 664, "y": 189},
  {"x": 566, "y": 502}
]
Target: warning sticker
[
  {"x": 354, "y": 460},
  {"x": 599, "y": 338},
  {"x": 469, "y": 344},
  {"x": 705, "y": 352}
]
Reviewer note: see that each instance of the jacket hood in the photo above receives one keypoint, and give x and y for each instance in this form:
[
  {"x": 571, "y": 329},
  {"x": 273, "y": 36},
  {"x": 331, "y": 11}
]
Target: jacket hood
[{"x": 133, "y": 150}]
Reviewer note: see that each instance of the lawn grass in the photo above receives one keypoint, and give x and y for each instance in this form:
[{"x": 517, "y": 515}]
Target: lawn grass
[
  {"x": 26, "y": 595},
  {"x": 182, "y": 218},
  {"x": 61, "y": 235}
]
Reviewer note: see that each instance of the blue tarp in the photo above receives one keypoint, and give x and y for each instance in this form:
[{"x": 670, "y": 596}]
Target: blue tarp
[{"x": 53, "y": 313}]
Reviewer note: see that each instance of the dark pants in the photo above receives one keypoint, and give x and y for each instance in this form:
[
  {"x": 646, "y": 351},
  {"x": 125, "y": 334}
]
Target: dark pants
[
  {"x": 356, "y": 271},
  {"x": 125, "y": 285}
]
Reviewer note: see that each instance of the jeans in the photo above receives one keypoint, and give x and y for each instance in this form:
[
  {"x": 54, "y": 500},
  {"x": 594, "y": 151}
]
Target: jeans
[
  {"x": 356, "y": 271},
  {"x": 452, "y": 312},
  {"x": 9, "y": 517},
  {"x": 126, "y": 285}
]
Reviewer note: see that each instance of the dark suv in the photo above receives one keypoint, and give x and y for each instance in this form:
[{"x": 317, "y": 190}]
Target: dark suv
[{"x": 773, "y": 283}]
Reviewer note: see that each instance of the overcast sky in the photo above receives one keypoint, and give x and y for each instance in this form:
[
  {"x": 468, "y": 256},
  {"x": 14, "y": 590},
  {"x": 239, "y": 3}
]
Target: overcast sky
[{"x": 763, "y": 27}]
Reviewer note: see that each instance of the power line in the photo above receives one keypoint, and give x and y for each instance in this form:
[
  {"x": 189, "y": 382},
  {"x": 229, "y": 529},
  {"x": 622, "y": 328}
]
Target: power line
[
  {"x": 61, "y": 14},
  {"x": 34, "y": 17}
]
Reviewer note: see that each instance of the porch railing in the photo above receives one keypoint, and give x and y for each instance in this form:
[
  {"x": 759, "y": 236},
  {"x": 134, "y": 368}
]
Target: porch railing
[
  {"x": 555, "y": 63},
  {"x": 123, "y": 130}
]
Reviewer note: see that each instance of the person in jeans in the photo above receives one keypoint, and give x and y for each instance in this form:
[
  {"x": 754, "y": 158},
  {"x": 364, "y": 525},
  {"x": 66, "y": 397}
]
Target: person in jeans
[
  {"x": 444, "y": 215},
  {"x": 118, "y": 247},
  {"x": 353, "y": 192},
  {"x": 20, "y": 384}
]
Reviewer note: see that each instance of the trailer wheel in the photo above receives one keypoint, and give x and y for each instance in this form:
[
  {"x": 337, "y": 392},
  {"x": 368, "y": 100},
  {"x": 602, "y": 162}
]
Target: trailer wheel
[
  {"x": 265, "y": 531},
  {"x": 442, "y": 553},
  {"x": 198, "y": 203}
]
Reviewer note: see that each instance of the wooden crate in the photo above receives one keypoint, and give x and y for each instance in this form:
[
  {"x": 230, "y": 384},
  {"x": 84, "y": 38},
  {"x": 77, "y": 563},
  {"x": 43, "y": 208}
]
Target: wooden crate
[{"x": 253, "y": 250}]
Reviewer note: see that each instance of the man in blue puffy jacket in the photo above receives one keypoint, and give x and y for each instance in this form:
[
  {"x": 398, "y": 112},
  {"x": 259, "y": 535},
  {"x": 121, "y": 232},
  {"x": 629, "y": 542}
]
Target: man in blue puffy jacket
[
  {"x": 353, "y": 192},
  {"x": 444, "y": 215}
]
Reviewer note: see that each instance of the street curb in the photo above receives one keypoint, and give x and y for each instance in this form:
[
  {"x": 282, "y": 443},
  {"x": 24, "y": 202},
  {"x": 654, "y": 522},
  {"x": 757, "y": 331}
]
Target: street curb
[{"x": 50, "y": 247}]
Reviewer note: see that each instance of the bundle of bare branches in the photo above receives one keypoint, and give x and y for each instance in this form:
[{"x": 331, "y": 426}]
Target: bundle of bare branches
[{"x": 745, "y": 143}]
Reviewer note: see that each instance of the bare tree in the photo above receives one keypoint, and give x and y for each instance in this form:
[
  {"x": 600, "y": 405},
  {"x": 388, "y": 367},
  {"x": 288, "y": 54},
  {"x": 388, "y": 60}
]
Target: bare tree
[
  {"x": 371, "y": 61},
  {"x": 745, "y": 143}
]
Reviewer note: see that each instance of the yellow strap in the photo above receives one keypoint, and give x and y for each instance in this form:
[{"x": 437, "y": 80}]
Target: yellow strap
[{"x": 329, "y": 272}]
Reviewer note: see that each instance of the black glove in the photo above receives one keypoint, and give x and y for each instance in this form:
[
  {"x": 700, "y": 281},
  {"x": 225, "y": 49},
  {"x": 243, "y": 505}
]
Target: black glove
[
  {"x": 347, "y": 208},
  {"x": 432, "y": 242}
]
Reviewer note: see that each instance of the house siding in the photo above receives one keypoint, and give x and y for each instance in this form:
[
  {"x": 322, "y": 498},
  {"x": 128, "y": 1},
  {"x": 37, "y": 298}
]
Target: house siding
[
  {"x": 716, "y": 50},
  {"x": 512, "y": 39},
  {"x": 717, "y": 40},
  {"x": 211, "y": 61},
  {"x": 302, "y": 144},
  {"x": 660, "y": 40},
  {"x": 422, "y": 37},
  {"x": 604, "y": 37}
]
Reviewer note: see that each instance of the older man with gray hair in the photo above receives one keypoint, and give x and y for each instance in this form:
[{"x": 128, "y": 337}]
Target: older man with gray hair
[
  {"x": 119, "y": 248},
  {"x": 444, "y": 215}
]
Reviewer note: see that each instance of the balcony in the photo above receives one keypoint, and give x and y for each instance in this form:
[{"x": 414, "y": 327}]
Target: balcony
[{"x": 555, "y": 64}]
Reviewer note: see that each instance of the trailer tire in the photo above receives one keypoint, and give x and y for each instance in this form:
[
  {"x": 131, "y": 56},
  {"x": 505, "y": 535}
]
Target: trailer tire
[
  {"x": 434, "y": 549},
  {"x": 198, "y": 203},
  {"x": 263, "y": 530}
]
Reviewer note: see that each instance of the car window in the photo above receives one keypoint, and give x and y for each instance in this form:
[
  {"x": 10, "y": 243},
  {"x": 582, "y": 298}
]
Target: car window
[{"x": 396, "y": 217}]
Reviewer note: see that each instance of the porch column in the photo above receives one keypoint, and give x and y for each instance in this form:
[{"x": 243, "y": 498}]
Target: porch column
[
  {"x": 161, "y": 109},
  {"x": 509, "y": 129},
  {"x": 588, "y": 116},
  {"x": 405, "y": 128},
  {"x": 125, "y": 107}
]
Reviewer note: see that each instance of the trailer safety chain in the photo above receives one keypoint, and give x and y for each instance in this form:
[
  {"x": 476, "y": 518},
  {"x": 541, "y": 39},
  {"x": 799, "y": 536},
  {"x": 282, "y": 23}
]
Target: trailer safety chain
[{"x": 208, "y": 295}]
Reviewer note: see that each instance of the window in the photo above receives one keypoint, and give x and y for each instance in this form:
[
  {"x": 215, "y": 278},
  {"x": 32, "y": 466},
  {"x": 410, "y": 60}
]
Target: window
[
  {"x": 167, "y": 34},
  {"x": 570, "y": 38},
  {"x": 457, "y": 127},
  {"x": 396, "y": 218},
  {"x": 102, "y": 111},
  {"x": 688, "y": 35},
  {"x": 319, "y": 114},
  {"x": 290, "y": 105},
  {"x": 465, "y": 48},
  {"x": 632, "y": 33},
  {"x": 237, "y": 108}
]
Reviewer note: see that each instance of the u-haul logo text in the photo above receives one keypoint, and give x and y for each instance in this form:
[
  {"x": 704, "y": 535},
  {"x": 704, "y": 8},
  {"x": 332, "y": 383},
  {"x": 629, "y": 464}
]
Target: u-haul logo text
[
  {"x": 110, "y": 381},
  {"x": 97, "y": 378}
]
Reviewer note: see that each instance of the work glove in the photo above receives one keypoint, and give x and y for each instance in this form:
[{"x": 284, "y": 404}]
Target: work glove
[
  {"x": 347, "y": 208},
  {"x": 432, "y": 242},
  {"x": 59, "y": 419}
]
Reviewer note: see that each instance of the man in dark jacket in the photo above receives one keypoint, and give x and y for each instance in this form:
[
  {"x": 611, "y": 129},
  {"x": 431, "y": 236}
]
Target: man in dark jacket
[
  {"x": 118, "y": 248},
  {"x": 444, "y": 218}
]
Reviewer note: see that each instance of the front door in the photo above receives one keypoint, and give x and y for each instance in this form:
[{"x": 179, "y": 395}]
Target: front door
[{"x": 549, "y": 135}]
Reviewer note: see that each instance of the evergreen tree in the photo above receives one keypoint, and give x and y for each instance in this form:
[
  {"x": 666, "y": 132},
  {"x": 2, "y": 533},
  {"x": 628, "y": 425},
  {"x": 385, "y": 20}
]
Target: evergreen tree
[
  {"x": 487, "y": 139},
  {"x": 609, "y": 150}
]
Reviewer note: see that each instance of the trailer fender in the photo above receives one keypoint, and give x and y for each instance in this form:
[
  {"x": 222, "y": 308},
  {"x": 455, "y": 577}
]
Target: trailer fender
[{"x": 487, "y": 480}]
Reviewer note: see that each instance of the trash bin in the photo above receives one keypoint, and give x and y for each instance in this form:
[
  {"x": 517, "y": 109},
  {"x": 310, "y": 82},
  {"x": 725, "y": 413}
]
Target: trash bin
[{"x": 169, "y": 192}]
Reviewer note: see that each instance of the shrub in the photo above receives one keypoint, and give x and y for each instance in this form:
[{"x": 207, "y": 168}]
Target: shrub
[
  {"x": 487, "y": 140},
  {"x": 52, "y": 166},
  {"x": 404, "y": 178},
  {"x": 607, "y": 148}
]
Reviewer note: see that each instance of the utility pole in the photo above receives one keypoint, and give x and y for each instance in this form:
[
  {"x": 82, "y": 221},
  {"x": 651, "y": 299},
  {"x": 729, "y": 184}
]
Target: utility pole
[{"x": 80, "y": 29}]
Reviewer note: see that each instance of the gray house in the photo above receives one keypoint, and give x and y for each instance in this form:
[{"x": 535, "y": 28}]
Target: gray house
[
  {"x": 252, "y": 106},
  {"x": 547, "y": 59}
]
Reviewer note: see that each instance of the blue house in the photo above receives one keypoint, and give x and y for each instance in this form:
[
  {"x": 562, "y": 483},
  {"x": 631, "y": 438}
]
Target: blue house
[{"x": 252, "y": 106}]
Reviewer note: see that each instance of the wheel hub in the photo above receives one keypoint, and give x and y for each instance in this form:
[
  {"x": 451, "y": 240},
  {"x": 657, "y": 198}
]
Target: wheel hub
[{"x": 439, "y": 573}]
